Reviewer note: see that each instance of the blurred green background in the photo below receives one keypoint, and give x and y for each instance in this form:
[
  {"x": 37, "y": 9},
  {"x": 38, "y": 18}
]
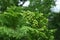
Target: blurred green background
[{"x": 35, "y": 22}]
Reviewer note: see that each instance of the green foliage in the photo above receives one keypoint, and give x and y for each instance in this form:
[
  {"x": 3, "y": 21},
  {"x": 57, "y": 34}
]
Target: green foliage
[
  {"x": 24, "y": 25},
  {"x": 56, "y": 24},
  {"x": 35, "y": 5},
  {"x": 40, "y": 5},
  {"x": 7, "y": 3}
]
